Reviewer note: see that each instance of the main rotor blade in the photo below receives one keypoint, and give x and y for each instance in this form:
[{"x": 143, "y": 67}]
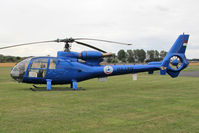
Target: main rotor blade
[
  {"x": 102, "y": 41},
  {"x": 87, "y": 45},
  {"x": 27, "y": 44}
]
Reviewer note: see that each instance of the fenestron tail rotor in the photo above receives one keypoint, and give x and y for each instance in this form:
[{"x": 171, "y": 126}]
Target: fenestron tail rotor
[
  {"x": 175, "y": 62},
  {"x": 68, "y": 42}
]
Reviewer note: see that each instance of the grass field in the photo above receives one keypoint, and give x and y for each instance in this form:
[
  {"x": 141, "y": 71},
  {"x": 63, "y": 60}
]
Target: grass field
[
  {"x": 152, "y": 104},
  {"x": 192, "y": 68}
]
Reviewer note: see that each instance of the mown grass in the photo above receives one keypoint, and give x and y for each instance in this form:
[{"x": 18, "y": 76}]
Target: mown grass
[
  {"x": 192, "y": 68},
  {"x": 151, "y": 104}
]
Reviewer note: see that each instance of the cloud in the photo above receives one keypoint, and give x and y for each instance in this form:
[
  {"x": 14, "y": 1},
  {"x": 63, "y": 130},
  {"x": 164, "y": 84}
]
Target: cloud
[
  {"x": 147, "y": 24},
  {"x": 162, "y": 8}
]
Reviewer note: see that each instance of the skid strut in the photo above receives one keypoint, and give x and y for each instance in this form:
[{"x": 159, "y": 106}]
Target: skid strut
[
  {"x": 74, "y": 85},
  {"x": 48, "y": 82}
]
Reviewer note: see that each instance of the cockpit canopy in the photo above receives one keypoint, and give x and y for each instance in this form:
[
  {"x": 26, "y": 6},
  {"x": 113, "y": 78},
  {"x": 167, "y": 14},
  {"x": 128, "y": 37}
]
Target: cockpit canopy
[
  {"x": 37, "y": 67},
  {"x": 19, "y": 70}
]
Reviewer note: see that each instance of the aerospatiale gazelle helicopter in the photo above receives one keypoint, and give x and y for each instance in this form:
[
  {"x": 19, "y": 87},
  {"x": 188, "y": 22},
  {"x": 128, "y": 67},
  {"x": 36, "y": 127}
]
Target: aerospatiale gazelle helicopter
[{"x": 67, "y": 69}]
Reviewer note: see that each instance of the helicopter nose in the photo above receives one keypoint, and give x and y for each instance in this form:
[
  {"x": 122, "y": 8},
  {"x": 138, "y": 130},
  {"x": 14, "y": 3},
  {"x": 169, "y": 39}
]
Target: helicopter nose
[
  {"x": 18, "y": 71},
  {"x": 15, "y": 75}
]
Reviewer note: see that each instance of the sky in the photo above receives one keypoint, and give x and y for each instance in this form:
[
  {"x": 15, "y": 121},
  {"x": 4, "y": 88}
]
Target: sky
[{"x": 147, "y": 24}]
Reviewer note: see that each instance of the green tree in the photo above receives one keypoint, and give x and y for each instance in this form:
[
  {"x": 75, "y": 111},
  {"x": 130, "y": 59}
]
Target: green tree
[
  {"x": 139, "y": 55},
  {"x": 156, "y": 54},
  {"x": 112, "y": 59},
  {"x": 130, "y": 56},
  {"x": 122, "y": 55},
  {"x": 9, "y": 59},
  {"x": 109, "y": 59},
  {"x": 142, "y": 55},
  {"x": 162, "y": 54},
  {"x": 150, "y": 55}
]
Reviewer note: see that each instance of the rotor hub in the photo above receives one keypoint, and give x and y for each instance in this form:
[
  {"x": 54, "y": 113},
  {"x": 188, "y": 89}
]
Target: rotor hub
[{"x": 175, "y": 62}]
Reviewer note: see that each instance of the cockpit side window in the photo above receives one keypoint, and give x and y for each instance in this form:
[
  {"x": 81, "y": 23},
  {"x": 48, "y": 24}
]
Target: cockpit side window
[
  {"x": 40, "y": 63},
  {"x": 38, "y": 67},
  {"x": 52, "y": 63}
]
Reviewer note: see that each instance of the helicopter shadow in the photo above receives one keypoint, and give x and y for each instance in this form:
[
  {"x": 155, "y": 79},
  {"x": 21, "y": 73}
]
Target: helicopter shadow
[{"x": 35, "y": 88}]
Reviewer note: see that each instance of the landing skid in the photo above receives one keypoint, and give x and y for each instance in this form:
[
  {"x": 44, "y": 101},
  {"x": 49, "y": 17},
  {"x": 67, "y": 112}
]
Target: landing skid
[{"x": 36, "y": 88}]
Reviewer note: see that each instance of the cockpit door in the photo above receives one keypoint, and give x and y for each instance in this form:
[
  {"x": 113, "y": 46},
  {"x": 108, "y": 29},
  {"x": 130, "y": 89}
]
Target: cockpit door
[{"x": 38, "y": 67}]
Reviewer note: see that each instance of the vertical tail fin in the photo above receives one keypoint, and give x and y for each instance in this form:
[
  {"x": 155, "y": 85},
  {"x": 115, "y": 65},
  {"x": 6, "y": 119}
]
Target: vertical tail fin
[
  {"x": 180, "y": 44},
  {"x": 175, "y": 60}
]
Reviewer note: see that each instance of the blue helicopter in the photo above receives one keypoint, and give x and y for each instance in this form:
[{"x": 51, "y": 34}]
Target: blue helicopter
[{"x": 72, "y": 67}]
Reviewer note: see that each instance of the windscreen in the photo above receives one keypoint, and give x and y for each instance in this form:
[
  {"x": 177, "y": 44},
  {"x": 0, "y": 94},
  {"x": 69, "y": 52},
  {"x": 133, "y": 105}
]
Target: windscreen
[{"x": 19, "y": 70}]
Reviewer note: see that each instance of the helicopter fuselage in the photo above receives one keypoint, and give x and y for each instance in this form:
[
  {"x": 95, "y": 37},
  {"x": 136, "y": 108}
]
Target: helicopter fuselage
[
  {"x": 74, "y": 71},
  {"x": 64, "y": 70}
]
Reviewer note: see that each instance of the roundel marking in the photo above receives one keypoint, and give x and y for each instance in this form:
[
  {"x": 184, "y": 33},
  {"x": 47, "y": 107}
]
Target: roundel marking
[{"x": 108, "y": 69}]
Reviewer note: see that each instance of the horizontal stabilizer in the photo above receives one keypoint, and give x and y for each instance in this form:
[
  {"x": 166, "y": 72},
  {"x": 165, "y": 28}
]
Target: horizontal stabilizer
[{"x": 154, "y": 63}]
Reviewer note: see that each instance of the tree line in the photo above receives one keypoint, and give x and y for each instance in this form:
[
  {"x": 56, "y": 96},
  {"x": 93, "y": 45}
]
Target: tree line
[
  {"x": 129, "y": 56},
  {"x": 137, "y": 56},
  {"x": 4, "y": 59}
]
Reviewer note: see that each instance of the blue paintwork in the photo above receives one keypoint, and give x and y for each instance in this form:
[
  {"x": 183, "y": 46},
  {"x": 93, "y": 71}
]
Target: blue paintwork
[
  {"x": 178, "y": 49},
  {"x": 48, "y": 84},
  {"x": 69, "y": 70},
  {"x": 175, "y": 62},
  {"x": 74, "y": 84}
]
